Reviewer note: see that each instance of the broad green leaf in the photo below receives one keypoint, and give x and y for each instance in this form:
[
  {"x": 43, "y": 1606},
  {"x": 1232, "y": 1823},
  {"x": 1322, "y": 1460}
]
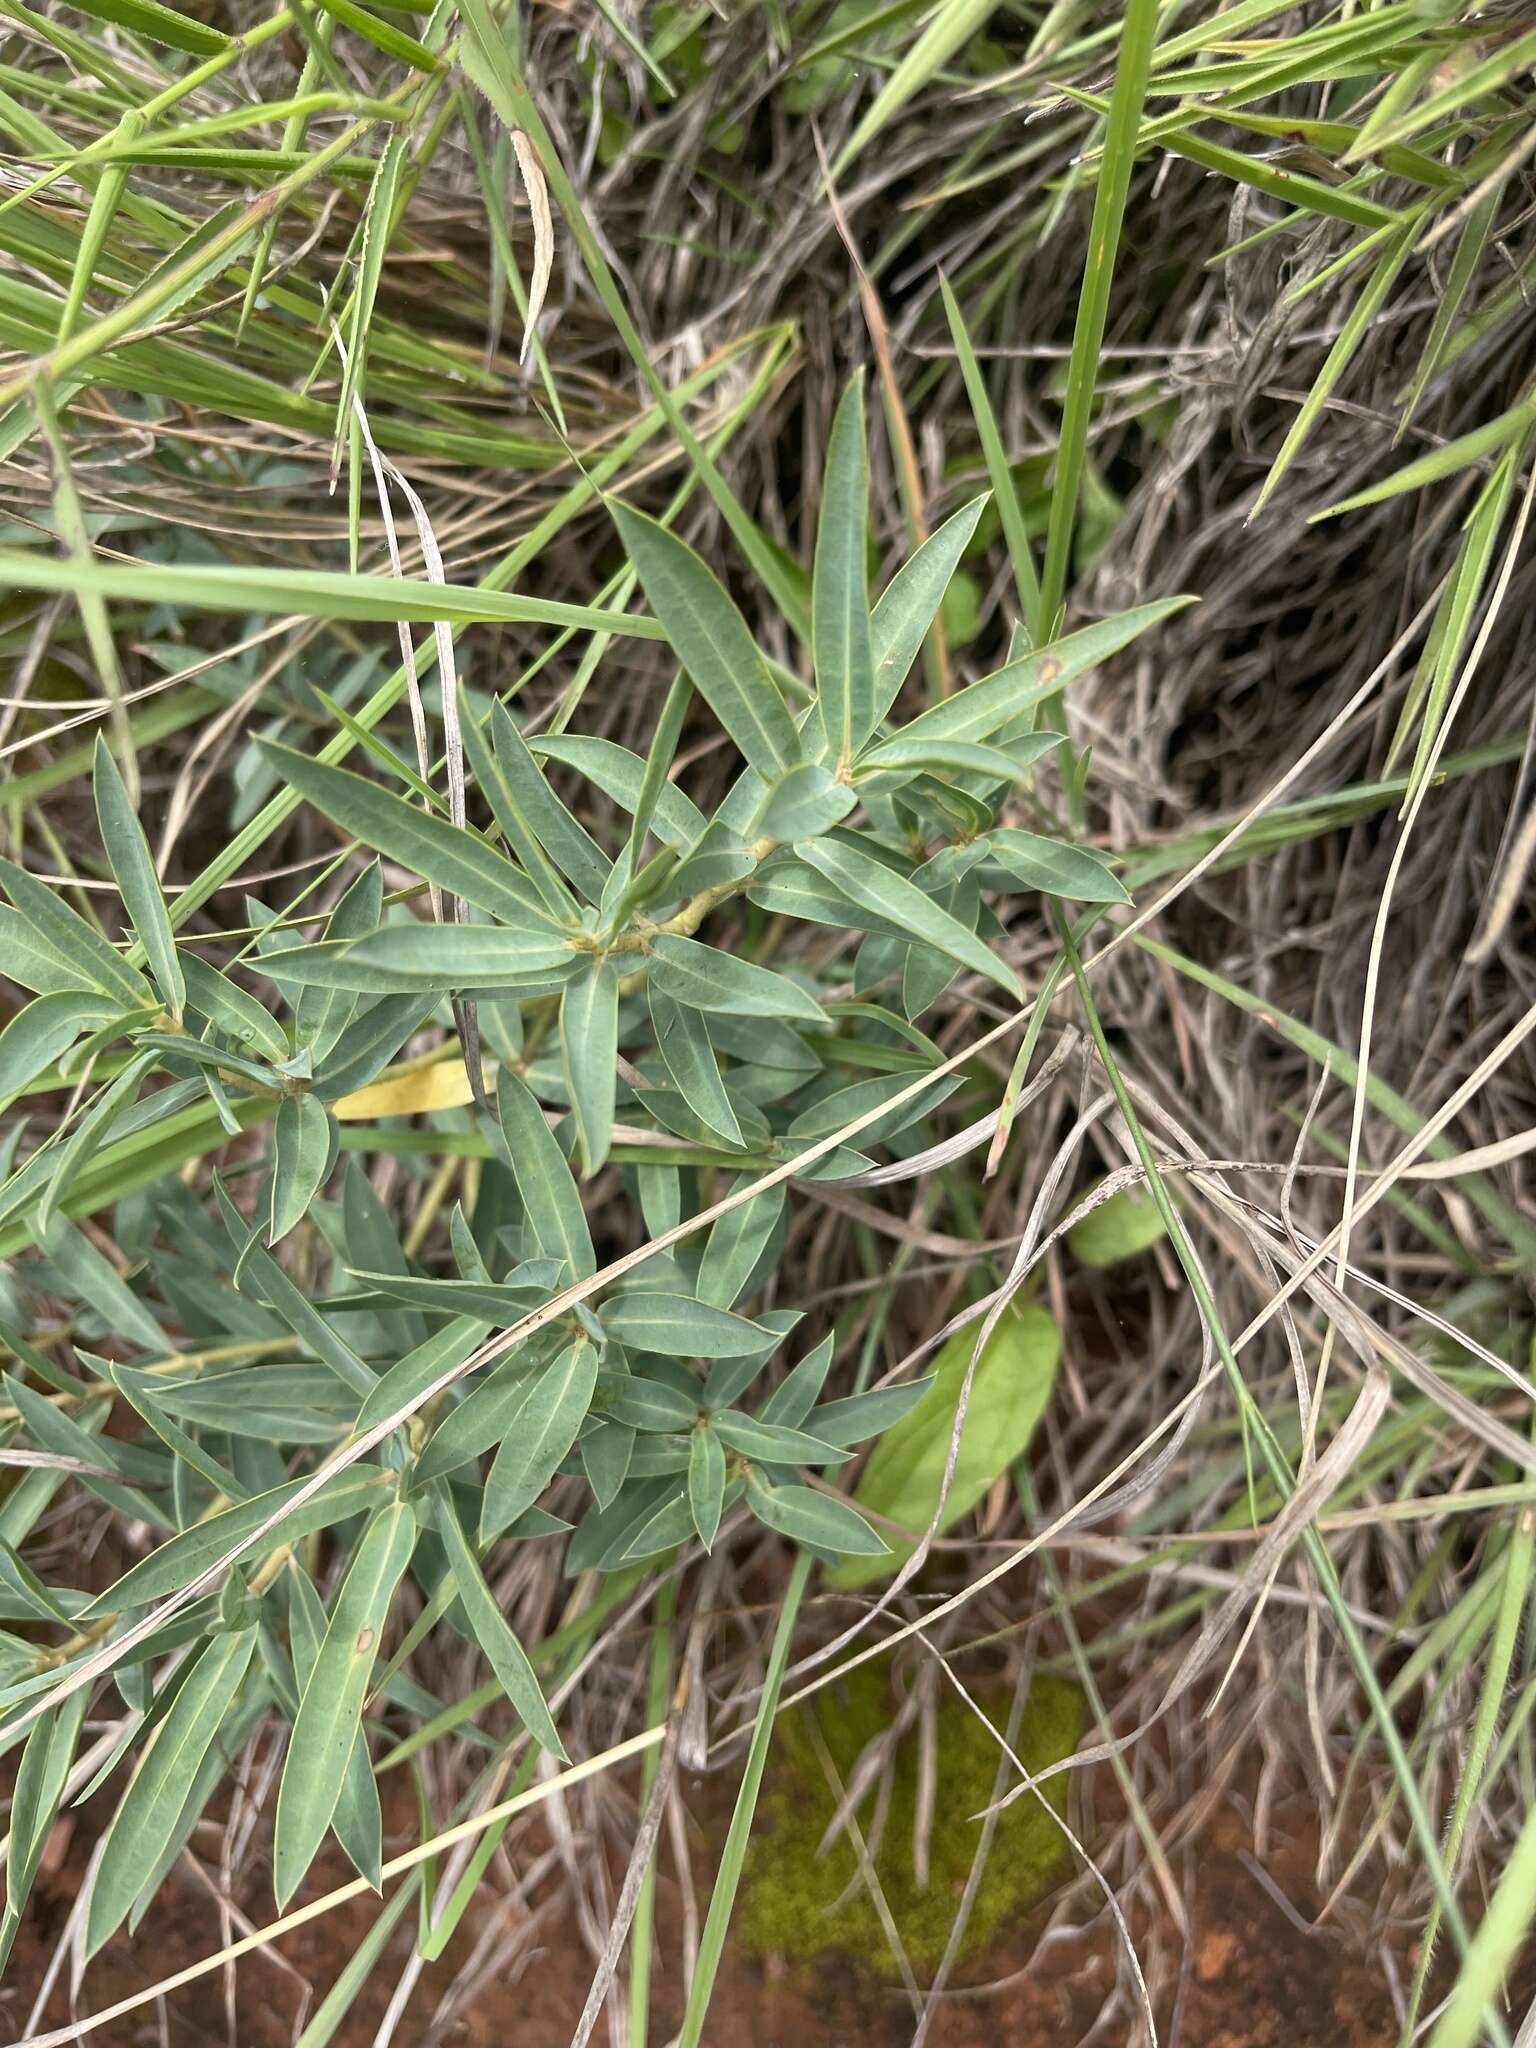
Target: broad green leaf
[
  {"x": 606, "y": 1452},
  {"x": 1012, "y": 1384},
  {"x": 678, "y": 1327},
  {"x": 503, "y": 1652},
  {"x": 133, "y": 869},
  {"x": 152, "y": 1803},
  {"x": 540, "y": 1432},
  {"x": 301, "y": 1158},
  {"x": 689, "y": 1057},
  {"x": 187, "y": 1556},
  {"x": 1054, "y": 868},
  {"x": 589, "y": 1047},
  {"x": 1122, "y": 1226},
  {"x": 42, "y": 1031},
  {"x": 231, "y": 1010},
  {"x": 819, "y": 1519},
  {"x": 543, "y": 1178},
  {"x": 459, "y": 863},
  {"x": 808, "y": 801},
  {"x": 840, "y": 637},
  {"x": 63, "y": 931},
  {"x": 711, "y": 640},
  {"x": 706, "y": 1483},
  {"x": 401, "y": 959},
  {"x": 330, "y": 1711},
  {"x": 907, "y": 607},
  {"x": 704, "y": 978},
  {"x": 982, "y": 709},
  {"x": 877, "y": 888},
  {"x": 770, "y": 1443}
]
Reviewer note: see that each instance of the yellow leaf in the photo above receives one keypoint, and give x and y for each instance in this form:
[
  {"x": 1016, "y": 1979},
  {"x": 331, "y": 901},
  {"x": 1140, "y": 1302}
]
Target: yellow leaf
[{"x": 443, "y": 1085}]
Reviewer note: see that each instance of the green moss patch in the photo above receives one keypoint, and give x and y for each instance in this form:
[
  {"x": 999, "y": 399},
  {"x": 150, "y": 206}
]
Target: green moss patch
[{"x": 796, "y": 1903}]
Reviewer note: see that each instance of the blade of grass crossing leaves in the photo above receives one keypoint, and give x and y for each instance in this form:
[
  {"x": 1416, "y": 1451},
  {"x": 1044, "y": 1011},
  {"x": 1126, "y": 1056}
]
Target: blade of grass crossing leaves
[
  {"x": 331, "y": 1708},
  {"x": 999, "y": 474},
  {"x": 1496, "y": 1669},
  {"x": 723, "y": 1897},
  {"x": 1133, "y": 65}
]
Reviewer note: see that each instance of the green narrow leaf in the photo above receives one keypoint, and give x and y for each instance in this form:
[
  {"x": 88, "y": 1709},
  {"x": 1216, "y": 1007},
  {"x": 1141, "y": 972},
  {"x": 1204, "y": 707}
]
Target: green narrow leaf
[
  {"x": 64, "y": 932},
  {"x": 358, "y": 1820},
  {"x": 819, "y": 1519},
  {"x": 704, "y": 978},
  {"x": 508, "y": 810},
  {"x": 679, "y": 1327},
  {"x": 301, "y": 1158},
  {"x": 40, "y": 1780},
  {"x": 544, "y": 1180},
  {"x": 159, "y": 24},
  {"x": 1056, "y": 869},
  {"x": 540, "y": 1432},
  {"x": 711, "y": 640},
  {"x": 589, "y": 1048},
  {"x": 186, "y": 1557},
  {"x": 840, "y": 637},
  {"x": 907, "y": 607},
  {"x": 457, "y": 861},
  {"x": 503, "y": 1652},
  {"x": 572, "y": 849},
  {"x": 689, "y": 1057},
  {"x": 231, "y": 1010},
  {"x": 133, "y": 869},
  {"x": 482, "y": 1418},
  {"x": 706, "y": 1483},
  {"x": 736, "y": 1242},
  {"x": 999, "y": 471},
  {"x": 321, "y": 1014},
  {"x": 153, "y": 1801},
  {"x": 330, "y": 1711},
  {"x": 97, "y": 1281},
  {"x": 982, "y": 708},
  {"x": 771, "y": 1443},
  {"x": 406, "y": 959},
  {"x": 42, "y": 1031},
  {"x": 877, "y": 888}
]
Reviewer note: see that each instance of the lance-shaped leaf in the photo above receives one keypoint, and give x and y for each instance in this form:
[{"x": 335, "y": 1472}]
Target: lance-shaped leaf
[
  {"x": 64, "y": 932},
  {"x": 706, "y": 979},
  {"x": 503, "y": 1652},
  {"x": 133, "y": 869},
  {"x": 543, "y": 1178},
  {"x": 331, "y": 1709},
  {"x": 152, "y": 1803},
  {"x": 819, "y": 1519},
  {"x": 301, "y": 1158},
  {"x": 689, "y": 1057},
  {"x": 879, "y": 889},
  {"x": 909, "y": 603},
  {"x": 540, "y": 1431},
  {"x": 589, "y": 1046},
  {"x": 840, "y": 637},
  {"x": 710, "y": 638},
  {"x": 458, "y": 862},
  {"x": 1055, "y": 869},
  {"x": 706, "y": 1483},
  {"x": 678, "y": 1327}
]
